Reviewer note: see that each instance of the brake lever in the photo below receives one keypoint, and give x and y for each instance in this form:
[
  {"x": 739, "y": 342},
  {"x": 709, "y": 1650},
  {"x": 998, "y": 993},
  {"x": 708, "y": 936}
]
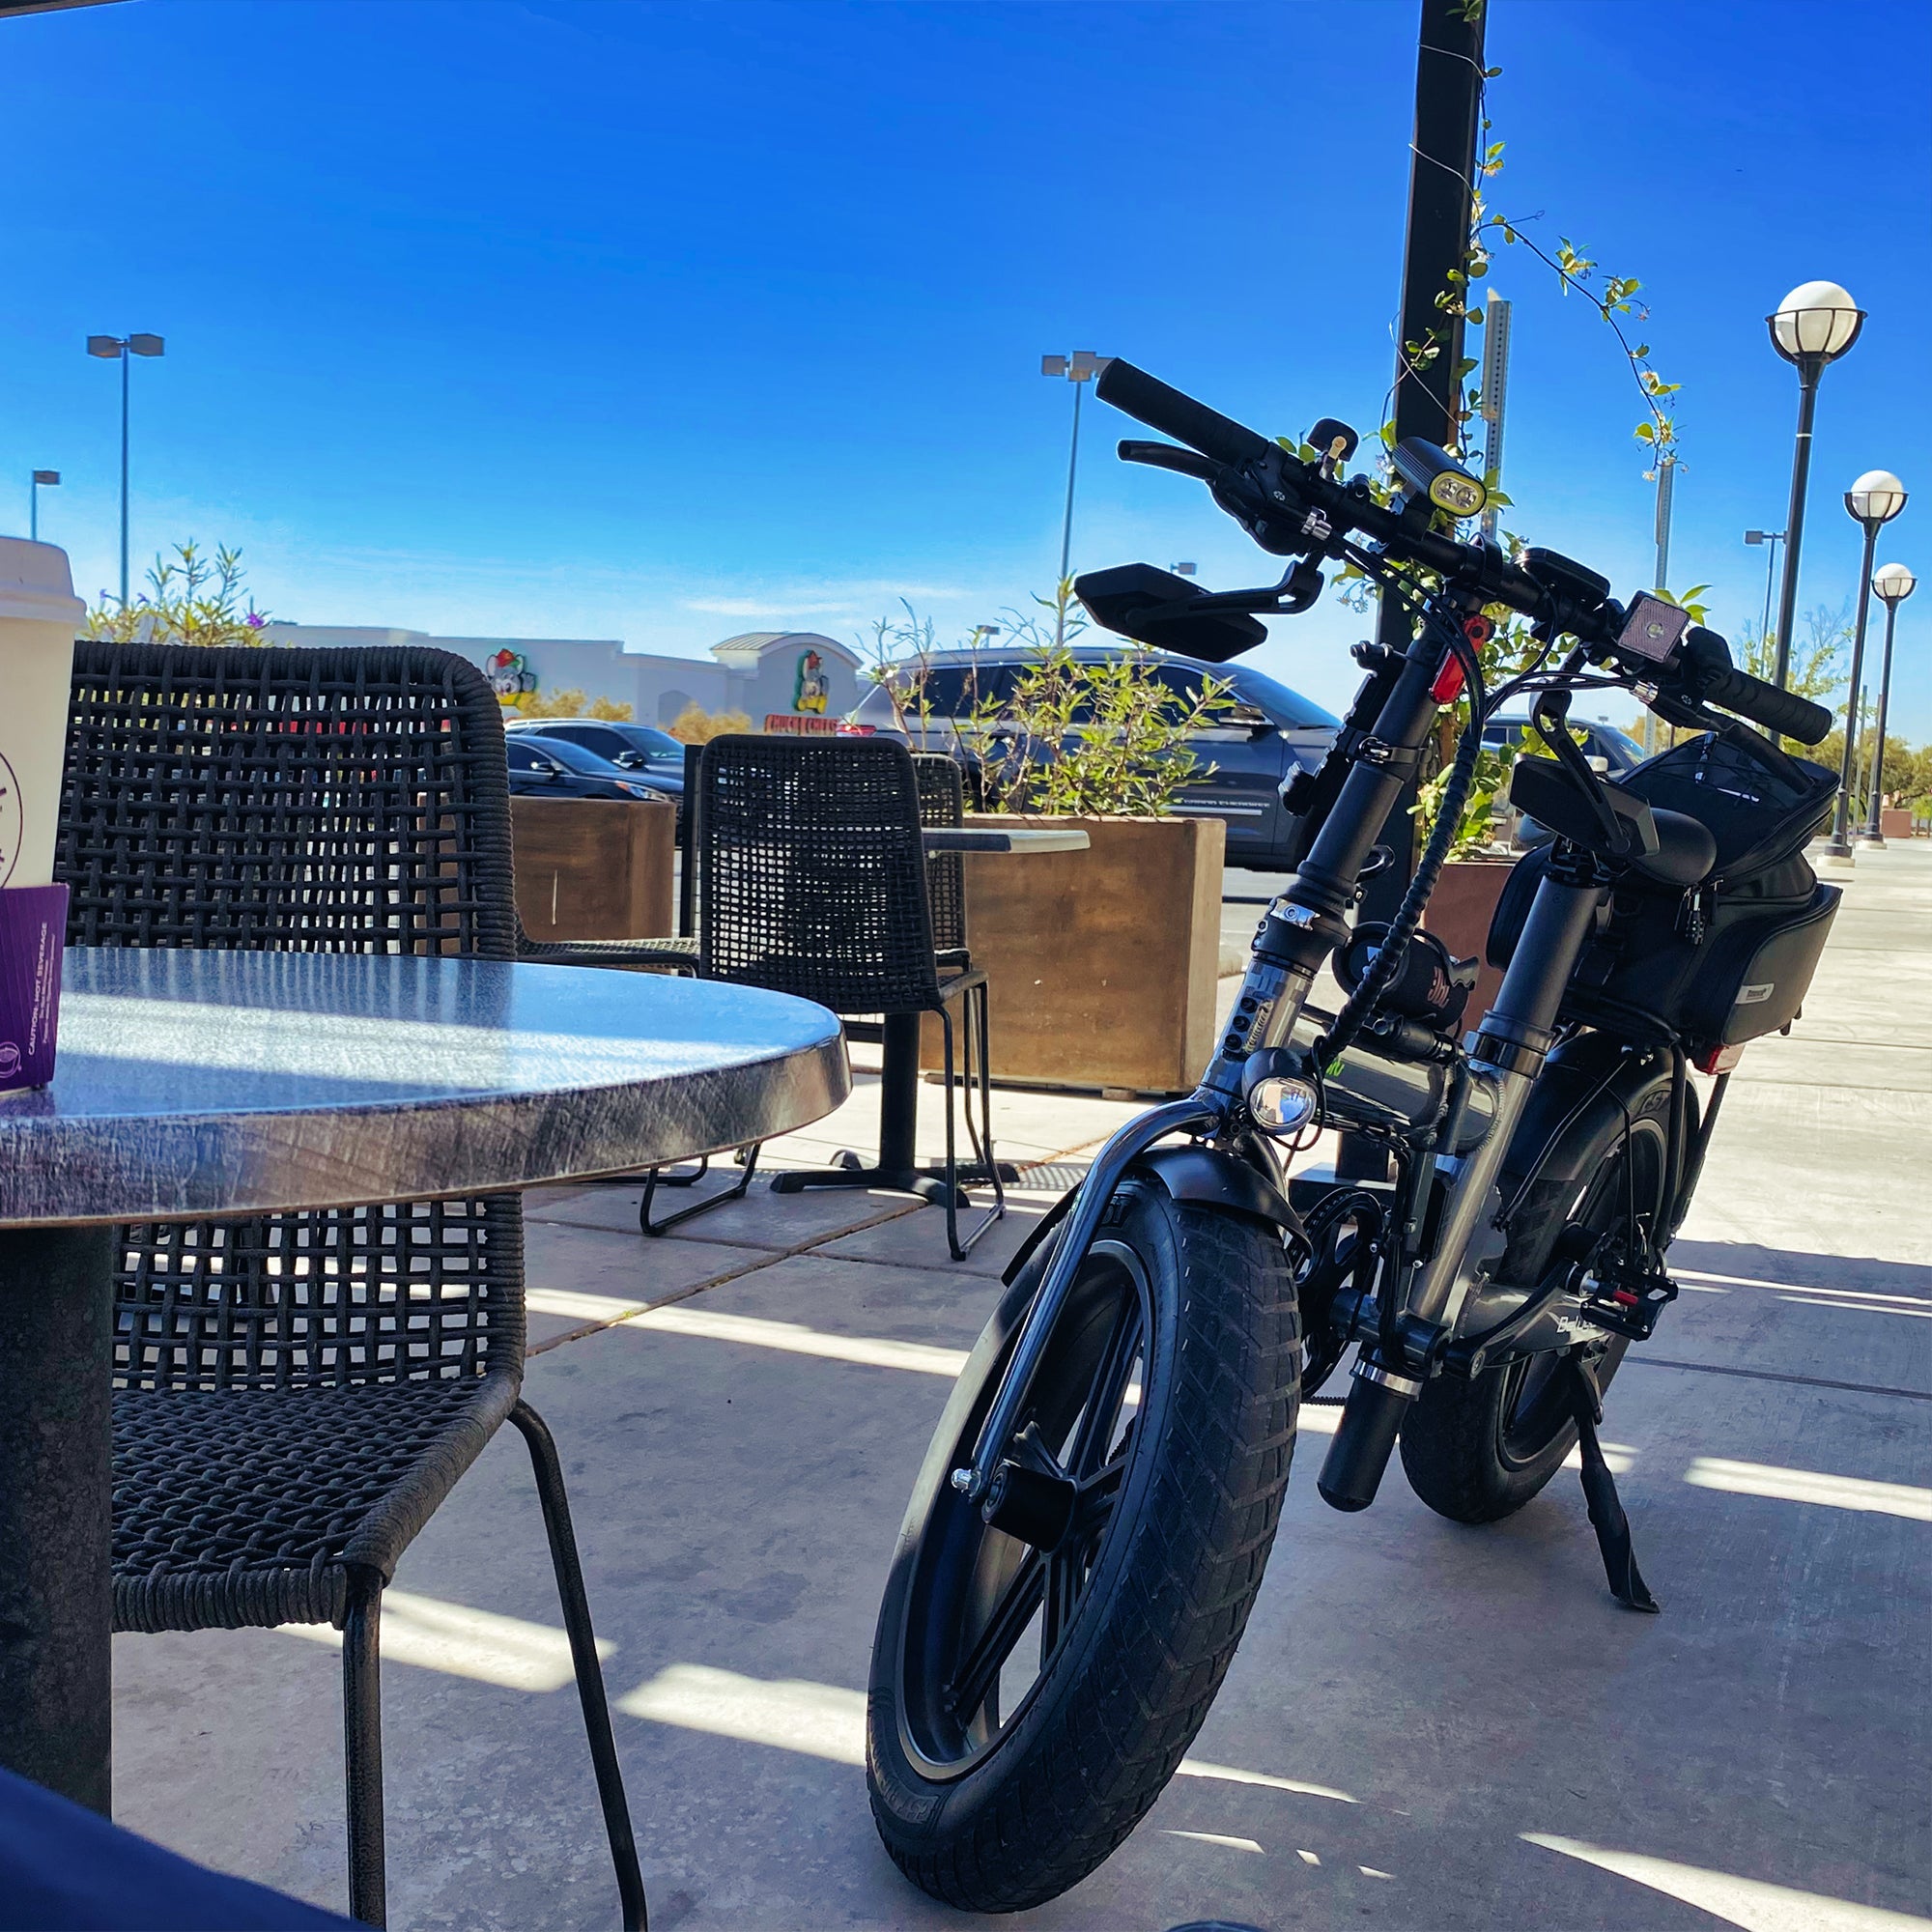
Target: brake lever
[
  {"x": 1170, "y": 456},
  {"x": 1556, "y": 705}
]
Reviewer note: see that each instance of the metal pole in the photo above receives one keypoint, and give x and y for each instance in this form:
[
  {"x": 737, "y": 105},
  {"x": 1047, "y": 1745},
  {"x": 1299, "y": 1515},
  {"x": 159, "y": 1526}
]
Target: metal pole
[
  {"x": 33, "y": 511},
  {"x": 1771, "y": 539},
  {"x": 1874, "y": 832},
  {"x": 1442, "y": 168},
  {"x": 1442, "y": 163},
  {"x": 1808, "y": 372},
  {"x": 1495, "y": 398},
  {"x": 127, "y": 357},
  {"x": 1840, "y": 845},
  {"x": 1667, "y": 479},
  {"x": 1066, "y": 526}
]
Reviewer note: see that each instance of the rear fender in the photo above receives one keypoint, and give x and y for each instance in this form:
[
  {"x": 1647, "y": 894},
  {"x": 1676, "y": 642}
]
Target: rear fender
[{"x": 1586, "y": 1085}]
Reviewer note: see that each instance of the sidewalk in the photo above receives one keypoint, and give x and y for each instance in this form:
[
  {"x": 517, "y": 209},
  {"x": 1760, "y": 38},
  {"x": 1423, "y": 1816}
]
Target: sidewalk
[{"x": 1427, "y": 1726}]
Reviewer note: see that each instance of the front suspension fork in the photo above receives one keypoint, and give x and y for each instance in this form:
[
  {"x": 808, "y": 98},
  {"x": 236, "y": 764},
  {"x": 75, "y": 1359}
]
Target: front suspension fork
[{"x": 1508, "y": 1050}]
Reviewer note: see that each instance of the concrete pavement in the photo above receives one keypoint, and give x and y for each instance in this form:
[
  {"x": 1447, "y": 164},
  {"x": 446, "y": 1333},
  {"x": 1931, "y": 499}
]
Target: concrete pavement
[{"x": 1426, "y": 1727}]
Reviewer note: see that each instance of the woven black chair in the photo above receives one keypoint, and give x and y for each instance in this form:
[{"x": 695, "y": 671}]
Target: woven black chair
[
  {"x": 942, "y": 803},
  {"x": 295, "y": 1394},
  {"x": 813, "y": 881}
]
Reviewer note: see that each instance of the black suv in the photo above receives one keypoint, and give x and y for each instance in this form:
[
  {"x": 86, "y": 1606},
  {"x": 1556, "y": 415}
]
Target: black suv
[{"x": 1254, "y": 747}]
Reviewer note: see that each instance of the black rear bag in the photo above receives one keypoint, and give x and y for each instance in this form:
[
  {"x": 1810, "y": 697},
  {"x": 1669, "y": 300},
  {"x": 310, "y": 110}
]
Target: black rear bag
[{"x": 1726, "y": 961}]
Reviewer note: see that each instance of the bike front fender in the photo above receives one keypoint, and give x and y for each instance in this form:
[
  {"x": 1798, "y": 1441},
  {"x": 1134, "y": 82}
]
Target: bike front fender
[{"x": 1202, "y": 1176}]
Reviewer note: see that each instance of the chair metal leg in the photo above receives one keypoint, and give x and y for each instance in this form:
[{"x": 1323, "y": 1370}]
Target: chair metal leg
[
  {"x": 363, "y": 1748},
  {"x": 961, "y": 1249},
  {"x": 584, "y": 1656},
  {"x": 654, "y": 1179}
]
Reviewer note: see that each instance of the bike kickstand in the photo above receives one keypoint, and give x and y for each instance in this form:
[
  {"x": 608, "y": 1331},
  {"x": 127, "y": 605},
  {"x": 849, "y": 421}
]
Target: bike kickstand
[{"x": 1599, "y": 1493}]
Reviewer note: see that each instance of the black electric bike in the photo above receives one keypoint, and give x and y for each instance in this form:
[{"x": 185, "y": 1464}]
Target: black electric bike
[{"x": 1089, "y": 1530}]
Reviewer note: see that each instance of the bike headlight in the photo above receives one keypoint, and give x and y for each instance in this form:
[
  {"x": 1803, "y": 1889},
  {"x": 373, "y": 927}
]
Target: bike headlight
[{"x": 1280, "y": 1105}]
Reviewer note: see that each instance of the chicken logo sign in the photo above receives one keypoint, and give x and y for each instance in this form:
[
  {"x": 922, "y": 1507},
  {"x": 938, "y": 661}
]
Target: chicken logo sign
[
  {"x": 509, "y": 673},
  {"x": 815, "y": 688}
]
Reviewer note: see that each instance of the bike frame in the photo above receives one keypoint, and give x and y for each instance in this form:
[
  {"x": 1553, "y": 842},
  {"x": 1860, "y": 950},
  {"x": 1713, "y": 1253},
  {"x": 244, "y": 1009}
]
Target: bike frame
[{"x": 1428, "y": 1287}]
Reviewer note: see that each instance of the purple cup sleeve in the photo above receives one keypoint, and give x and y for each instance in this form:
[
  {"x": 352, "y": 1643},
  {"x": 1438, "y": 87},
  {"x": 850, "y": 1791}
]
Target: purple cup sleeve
[{"x": 33, "y": 929}]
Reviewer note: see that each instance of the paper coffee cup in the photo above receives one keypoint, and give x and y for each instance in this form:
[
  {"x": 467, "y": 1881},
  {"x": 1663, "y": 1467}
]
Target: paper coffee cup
[{"x": 40, "y": 616}]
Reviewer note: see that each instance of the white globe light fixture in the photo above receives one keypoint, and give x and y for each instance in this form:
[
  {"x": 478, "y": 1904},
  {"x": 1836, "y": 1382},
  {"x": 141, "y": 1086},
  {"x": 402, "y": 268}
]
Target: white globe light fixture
[
  {"x": 1895, "y": 583},
  {"x": 1876, "y": 498},
  {"x": 1872, "y": 501},
  {"x": 1814, "y": 325},
  {"x": 1815, "y": 318}
]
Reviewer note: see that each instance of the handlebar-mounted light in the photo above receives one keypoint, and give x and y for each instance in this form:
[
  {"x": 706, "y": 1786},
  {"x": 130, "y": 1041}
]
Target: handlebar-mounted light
[{"x": 1428, "y": 471}]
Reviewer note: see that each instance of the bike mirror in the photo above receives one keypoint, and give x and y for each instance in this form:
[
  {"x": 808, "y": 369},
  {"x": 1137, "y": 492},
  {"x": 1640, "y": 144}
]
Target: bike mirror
[{"x": 1137, "y": 601}]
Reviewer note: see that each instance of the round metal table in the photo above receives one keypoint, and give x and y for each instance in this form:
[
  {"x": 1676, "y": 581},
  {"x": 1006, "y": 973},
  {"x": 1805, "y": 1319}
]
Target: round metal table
[{"x": 199, "y": 1083}]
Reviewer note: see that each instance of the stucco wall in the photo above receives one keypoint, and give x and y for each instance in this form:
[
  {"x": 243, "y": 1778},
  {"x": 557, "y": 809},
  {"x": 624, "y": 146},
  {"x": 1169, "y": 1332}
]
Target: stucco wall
[{"x": 771, "y": 675}]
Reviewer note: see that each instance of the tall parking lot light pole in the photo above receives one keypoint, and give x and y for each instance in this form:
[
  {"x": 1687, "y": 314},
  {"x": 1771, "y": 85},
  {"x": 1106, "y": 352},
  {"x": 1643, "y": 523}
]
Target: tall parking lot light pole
[
  {"x": 120, "y": 348},
  {"x": 1082, "y": 366},
  {"x": 1814, "y": 325},
  {"x": 1770, "y": 539},
  {"x": 1872, "y": 501},
  {"x": 1895, "y": 583},
  {"x": 43, "y": 479}
]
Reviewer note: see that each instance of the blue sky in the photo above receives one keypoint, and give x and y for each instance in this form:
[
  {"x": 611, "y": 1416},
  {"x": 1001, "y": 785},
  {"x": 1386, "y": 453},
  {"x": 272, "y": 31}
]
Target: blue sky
[{"x": 665, "y": 321}]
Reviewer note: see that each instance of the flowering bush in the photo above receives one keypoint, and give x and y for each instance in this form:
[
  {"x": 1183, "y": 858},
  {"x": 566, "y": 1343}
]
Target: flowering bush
[{"x": 189, "y": 601}]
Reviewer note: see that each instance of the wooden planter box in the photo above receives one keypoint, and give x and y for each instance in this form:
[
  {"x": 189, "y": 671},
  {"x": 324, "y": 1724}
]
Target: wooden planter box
[
  {"x": 1101, "y": 964},
  {"x": 1459, "y": 915},
  {"x": 592, "y": 868}
]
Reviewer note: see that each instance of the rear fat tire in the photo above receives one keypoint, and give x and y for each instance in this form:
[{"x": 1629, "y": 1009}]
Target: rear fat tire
[
  {"x": 1477, "y": 1449},
  {"x": 1173, "y": 1579}
]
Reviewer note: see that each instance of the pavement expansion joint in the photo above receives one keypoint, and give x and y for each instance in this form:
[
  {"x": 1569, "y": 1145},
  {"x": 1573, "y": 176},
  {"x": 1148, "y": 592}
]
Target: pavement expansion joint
[{"x": 622, "y": 1310}]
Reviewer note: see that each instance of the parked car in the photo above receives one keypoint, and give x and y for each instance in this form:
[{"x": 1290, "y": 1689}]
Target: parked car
[
  {"x": 1254, "y": 747},
  {"x": 653, "y": 756},
  {"x": 1619, "y": 752},
  {"x": 541, "y": 766}
]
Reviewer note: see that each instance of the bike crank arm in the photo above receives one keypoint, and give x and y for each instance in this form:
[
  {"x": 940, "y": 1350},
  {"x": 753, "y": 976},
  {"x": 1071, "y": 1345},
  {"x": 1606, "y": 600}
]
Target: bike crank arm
[{"x": 1083, "y": 1223}]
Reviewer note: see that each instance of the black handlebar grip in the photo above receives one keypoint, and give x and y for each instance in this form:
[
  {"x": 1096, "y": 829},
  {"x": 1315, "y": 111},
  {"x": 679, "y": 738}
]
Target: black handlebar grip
[
  {"x": 1151, "y": 401},
  {"x": 1784, "y": 712}
]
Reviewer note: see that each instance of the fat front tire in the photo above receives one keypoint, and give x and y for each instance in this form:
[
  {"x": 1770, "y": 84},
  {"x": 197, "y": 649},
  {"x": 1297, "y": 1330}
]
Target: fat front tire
[
  {"x": 1477, "y": 1449},
  {"x": 1027, "y": 1704}
]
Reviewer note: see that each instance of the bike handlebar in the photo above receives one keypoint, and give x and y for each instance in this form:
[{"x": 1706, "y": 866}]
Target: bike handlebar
[
  {"x": 1278, "y": 498},
  {"x": 1148, "y": 400},
  {"x": 1784, "y": 712}
]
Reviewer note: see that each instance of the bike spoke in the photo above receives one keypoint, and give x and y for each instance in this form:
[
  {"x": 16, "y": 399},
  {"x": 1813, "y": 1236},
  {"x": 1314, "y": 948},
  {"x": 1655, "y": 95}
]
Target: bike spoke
[
  {"x": 1091, "y": 1441},
  {"x": 1063, "y": 1576},
  {"x": 978, "y": 1672}
]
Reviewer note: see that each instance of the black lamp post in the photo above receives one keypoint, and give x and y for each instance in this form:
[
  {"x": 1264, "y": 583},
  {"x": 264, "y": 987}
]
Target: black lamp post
[
  {"x": 1814, "y": 325},
  {"x": 1873, "y": 500},
  {"x": 118, "y": 349},
  {"x": 1895, "y": 583},
  {"x": 1082, "y": 366}
]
